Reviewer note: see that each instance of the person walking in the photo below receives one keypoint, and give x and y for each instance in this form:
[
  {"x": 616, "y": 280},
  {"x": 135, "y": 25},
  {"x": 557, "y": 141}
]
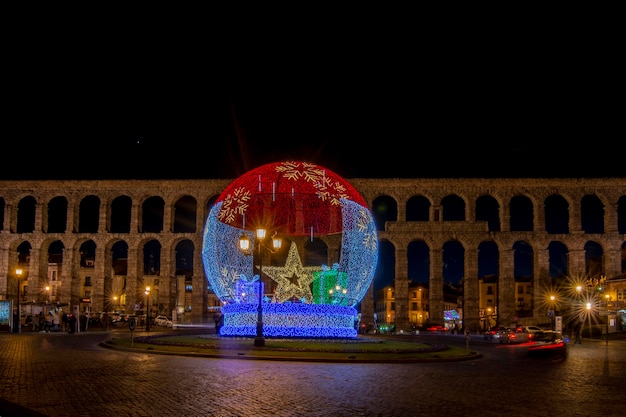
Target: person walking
[{"x": 42, "y": 322}]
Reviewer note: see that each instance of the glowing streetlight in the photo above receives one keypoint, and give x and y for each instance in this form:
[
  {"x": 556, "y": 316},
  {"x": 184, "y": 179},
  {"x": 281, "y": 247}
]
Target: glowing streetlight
[{"x": 244, "y": 246}]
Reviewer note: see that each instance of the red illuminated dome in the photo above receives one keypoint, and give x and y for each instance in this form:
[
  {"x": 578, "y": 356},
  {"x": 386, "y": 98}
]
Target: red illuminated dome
[{"x": 298, "y": 198}]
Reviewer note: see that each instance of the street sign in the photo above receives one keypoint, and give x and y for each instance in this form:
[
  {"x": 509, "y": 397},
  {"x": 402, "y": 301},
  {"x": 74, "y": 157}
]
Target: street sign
[{"x": 558, "y": 324}]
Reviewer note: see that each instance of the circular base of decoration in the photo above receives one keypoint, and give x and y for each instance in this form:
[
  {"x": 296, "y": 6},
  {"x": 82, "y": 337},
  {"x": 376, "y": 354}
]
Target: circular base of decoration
[{"x": 290, "y": 320}]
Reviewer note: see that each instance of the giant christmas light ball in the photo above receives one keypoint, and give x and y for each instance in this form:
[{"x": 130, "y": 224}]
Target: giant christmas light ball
[{"x": 299, "y": 202}]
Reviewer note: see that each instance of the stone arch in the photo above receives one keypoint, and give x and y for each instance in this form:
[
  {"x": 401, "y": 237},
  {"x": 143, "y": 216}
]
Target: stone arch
[
  {"x": 55, "y": 217},
  {"x": 185, "y": 214},
  {"x": 559, "y": 265},
  {"x": 488, "y": 258},
  {"x": 120, "y": 214},
  {"x": 418, "y": 208},
  {"x": 556, "y": 214},
  {"x": 522, "y": 214},
  {"x": 89, "y": 214},
  {"x": 454, "y": 208},
  {"x": 418, "y": 258},
  {"x": 591, "y": 214},
  {"x": 488, "y": 209},
  {"x": 152, "y": 214},
  {"x": 384, "y": 209},
  {"x": 594, "y": 259},
  {"x": 453, "y": 260},
  {"x": 26, "y": 209}
]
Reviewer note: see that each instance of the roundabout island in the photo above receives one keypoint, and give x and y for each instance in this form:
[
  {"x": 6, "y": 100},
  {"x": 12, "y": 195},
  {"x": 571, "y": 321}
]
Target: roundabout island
[{"x": 362, "y": 349}]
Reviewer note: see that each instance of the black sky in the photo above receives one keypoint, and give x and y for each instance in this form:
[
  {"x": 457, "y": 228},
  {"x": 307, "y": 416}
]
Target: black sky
[{"x": 359, "y": 100}]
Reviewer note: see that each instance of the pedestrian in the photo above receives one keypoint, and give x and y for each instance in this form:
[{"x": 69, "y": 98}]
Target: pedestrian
[
  {"x": 71, "y": 320},
  {"x": 42, "y": 322},
  {"x": 105, "y": 320},
  {"x": 55, "y": 321}
]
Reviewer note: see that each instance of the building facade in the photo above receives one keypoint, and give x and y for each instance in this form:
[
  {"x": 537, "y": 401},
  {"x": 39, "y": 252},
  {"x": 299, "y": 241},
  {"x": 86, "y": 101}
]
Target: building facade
[{"x": 97, "y": 245}]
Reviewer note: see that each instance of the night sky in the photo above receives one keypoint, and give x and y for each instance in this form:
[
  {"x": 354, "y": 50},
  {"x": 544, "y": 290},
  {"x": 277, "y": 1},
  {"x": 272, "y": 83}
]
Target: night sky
[
  {"x": 371, "y": 137},
  {"x": 366, "y": 97}
]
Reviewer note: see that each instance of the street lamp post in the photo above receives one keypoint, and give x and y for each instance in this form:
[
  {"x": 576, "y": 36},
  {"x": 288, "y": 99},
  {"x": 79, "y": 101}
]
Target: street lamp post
[
  {"x": 244, "y": 246},
  {"x": 552, "y": 312},
  {"x": 589, "y": 306},
  {"x": 581, "y": 321},
  {"x": 147, "y": 309},
  {"x": 19, "y": 273},
  {"x": 607, "y": 298}
]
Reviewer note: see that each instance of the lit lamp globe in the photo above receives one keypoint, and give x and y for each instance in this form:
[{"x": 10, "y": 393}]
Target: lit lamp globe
[{"x": 308, "y": 207}]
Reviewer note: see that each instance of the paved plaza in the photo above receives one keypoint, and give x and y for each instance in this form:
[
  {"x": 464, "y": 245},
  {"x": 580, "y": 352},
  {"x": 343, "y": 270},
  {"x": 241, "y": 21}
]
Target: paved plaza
[{"x": 57, "y": 374}]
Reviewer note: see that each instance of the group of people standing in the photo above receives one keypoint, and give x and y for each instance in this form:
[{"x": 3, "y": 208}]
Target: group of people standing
[
  {"x": 44, "y": 322},
  {"x": 52, "y": 321}
]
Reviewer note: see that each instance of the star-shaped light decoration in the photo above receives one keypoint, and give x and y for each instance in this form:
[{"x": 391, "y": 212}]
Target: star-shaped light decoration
[{"x": 293, "y": 279}]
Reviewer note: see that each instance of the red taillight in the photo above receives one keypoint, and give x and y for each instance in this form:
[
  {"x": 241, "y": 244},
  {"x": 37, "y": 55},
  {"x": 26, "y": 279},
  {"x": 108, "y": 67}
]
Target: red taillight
[{"x": 548, "y": 346}]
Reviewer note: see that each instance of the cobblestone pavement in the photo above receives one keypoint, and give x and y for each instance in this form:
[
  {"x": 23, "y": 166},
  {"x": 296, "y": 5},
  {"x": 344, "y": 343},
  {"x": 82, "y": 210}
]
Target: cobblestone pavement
[{"x": 57, "y": 374}]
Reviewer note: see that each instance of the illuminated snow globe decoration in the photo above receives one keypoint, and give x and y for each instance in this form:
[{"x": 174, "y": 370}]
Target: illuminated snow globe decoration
[{"x": 300, "y": 203}]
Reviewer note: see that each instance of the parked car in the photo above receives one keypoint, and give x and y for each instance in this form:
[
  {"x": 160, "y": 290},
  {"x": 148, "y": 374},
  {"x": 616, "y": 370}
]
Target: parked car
[
  {"x": 492, "y": 333},
  {"x": 116, "y": 319},
  {"x": 532, "y": 329},
  {"x": 548, "y": 344},
  {"x": 518, "y": 335},
  {"x": 163, "y": 321},
  {"x": 122, "y": 319}
]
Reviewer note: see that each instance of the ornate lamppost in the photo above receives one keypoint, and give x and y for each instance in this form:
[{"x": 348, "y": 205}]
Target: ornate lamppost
[
  {"x": 147, "y": 309},
  {"x": 18, "y": 273},
  {"x": 244, "y": 246},
  {"x": 552, "y": 312}
]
